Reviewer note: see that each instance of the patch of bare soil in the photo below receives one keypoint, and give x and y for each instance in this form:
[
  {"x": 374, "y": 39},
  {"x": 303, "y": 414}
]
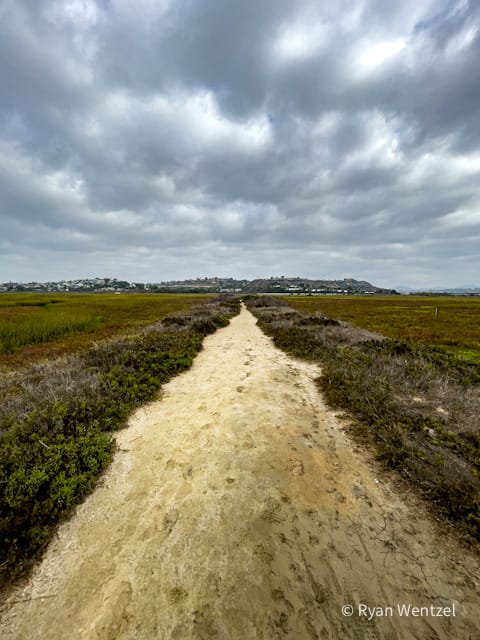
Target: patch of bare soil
[{"x": 236, "y": 508}]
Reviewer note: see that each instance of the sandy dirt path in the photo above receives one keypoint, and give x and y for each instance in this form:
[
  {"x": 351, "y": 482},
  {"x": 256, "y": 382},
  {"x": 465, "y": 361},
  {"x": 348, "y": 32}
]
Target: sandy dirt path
[{"x": 236, "y": 508}]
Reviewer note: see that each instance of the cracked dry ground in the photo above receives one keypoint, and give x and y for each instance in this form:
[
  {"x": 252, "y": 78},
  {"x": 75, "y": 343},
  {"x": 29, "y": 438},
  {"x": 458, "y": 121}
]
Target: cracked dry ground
[{"x": 237, "y": 508}]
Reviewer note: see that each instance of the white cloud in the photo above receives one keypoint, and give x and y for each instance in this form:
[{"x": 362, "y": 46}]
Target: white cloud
[
  {"x": 374, "y": 55},
  {"x": 299, "y": 41},
  {"x": 463, "y": 217},
  {"x": 81, "y": 14}
]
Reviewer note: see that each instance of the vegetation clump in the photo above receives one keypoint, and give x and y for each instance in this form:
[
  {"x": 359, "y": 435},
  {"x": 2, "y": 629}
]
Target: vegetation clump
[
  {"x": 57, "y": 418},
  {"x": 417, "y": 405}
]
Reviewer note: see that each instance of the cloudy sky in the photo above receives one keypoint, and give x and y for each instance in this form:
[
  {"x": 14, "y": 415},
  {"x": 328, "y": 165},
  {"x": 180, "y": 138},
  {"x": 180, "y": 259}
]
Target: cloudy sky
[{"x": 159, "y": 139}]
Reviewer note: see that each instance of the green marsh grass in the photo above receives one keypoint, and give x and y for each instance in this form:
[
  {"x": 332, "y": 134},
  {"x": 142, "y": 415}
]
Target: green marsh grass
[
  {"x": 35, "y": 325},
  {"x": 451, "y": 323}
]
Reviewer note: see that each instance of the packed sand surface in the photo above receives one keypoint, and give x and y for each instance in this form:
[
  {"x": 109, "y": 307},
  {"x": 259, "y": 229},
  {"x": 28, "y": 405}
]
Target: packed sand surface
[{"x": 236, "y": 508}]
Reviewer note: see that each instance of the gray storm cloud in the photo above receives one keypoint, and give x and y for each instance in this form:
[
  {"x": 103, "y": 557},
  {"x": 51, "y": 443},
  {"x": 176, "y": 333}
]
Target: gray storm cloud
[{"x": 156, "y": 140}]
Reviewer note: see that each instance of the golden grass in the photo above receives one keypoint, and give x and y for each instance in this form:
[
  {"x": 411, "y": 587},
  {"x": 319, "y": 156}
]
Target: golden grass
[{"x": 451, "y": 323}]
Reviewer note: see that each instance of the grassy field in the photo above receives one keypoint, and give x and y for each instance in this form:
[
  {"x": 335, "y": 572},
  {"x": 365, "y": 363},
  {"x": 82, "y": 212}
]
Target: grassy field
[
  {"x": 446, "y": 322},
  {"x": 36, "y": 325}
]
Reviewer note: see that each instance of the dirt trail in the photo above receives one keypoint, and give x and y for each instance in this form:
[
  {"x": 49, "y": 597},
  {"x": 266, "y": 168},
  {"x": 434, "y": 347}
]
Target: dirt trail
[{"x": 236, "y": 508}]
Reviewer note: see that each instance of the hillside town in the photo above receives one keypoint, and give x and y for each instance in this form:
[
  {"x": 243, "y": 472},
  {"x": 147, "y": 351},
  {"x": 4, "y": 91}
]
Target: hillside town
[{"x": 282, "y": 284}]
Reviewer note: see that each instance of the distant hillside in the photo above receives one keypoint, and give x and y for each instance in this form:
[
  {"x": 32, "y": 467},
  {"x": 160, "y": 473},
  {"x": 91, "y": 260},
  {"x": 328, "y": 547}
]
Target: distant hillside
[
  {"x": 305, "y": 285},
  {"x": 204, "y": 285}
]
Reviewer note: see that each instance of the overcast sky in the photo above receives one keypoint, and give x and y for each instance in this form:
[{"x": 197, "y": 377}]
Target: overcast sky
[{"x": 161, "y": 139}]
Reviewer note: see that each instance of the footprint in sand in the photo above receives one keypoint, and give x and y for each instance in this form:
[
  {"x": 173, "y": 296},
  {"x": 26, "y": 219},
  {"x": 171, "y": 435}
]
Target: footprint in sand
[{"x": 295, "y": 467}]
